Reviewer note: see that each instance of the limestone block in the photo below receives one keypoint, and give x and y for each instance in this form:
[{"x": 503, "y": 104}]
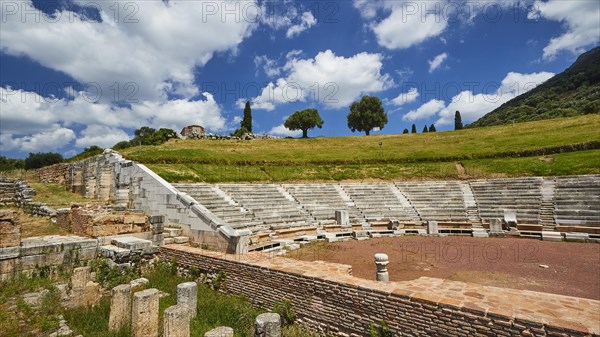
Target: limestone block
[
  {"x": 79, "y": 280},
  {"x": 144, "y": 313},
  {"x": 92, "y": 294},
  {"x": 139, "y": 284},
  {"x": 120, "y": 307},
  {"x": 131, "y": 243},
  {"x": 342, "y": 218},
  {"x": 381, "y": 262},
  {"x": 432, "y": 228},
  {"x": 187, "y": 294},
  {"x": 177, "y": 321},
  {"x": 222, "y": 331},
  {"x": 267, "y": 325}
]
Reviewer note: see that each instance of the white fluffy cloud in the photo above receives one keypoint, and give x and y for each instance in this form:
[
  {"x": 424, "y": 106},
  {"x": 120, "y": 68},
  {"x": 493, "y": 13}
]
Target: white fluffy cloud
[
  {"x": 473, "y": 106},
  {"x": 437, "y": 61},
  {"x": 269, "y": 66},
  {"x": 281, "y": 130},
  {"x": 425, "y": 111},
  {"x": 307, "y": 20},
  {"x": 407, "y": 24},
  {"x": 580, "y": 18},
  {"x": 329, "y": 79},
  {"x": 154, "y": 45},
  {"x": 27, "y": 118},
  {"x": 406, "y": 97},
  {"x": 99, "y": 135}
]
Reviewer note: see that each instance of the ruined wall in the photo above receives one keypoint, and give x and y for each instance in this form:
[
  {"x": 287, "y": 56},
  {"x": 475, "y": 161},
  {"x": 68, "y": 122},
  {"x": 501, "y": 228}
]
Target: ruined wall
[
  {"x": 110, "y": 177},
  {"x": 326, "y": 295},
  {"x": 16, "y": 192},
  {"x": 10, "y": 229},
  {"x": 96, "y": 223},
  {"x": 53, "y": 174}
]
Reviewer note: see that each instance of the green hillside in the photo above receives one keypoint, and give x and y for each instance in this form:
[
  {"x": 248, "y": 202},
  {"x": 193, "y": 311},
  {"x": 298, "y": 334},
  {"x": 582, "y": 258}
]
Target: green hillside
[
  {"x": 553, "y": 147},
  {"x": 575, "y": 91}
]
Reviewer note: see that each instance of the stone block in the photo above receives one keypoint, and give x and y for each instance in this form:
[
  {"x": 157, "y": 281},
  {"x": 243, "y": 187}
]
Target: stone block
[
  {"x": 551, "y": 236},
  {"x": 187, "y": 294},
  {"x": 9, "y": 252},
  {"x": 120, "y": 307},
  {"x": 181, "y": 239},
  {"x": 144, "y": 313},
  {"x": 92, "y": 294},
  {"x": 139, "y": 284},
  {"x": 342, "y": 218},
  {"x": 432, "y": 228},
  {"x": 577, "y": 237},
  {"x": 131, "y": 243},
  {"x": 168, "y": 241},
  {"x": 267, "y": 325},
  {"x": 177, "y": 321},
  {"x": 222, "y": 331},
  {"x": 114, "y": 252},
  {"x": 479, "y": 233}
]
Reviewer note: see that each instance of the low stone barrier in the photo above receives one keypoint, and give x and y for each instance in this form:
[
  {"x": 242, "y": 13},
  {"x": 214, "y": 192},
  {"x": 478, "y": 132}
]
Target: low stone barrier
[{"x": 327, "y": 297}]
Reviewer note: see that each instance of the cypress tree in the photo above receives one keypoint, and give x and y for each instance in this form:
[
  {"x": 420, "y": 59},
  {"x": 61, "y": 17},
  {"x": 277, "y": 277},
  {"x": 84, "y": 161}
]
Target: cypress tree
[
  {"x": 458, "y": 125},
  {"x": 425, "y": 129},
  {"x": 432, "y": 128},
  {"x": 247, "y": 121},
  {"x": 405, "y": 131},
  {"x": 414, "y": 129}
]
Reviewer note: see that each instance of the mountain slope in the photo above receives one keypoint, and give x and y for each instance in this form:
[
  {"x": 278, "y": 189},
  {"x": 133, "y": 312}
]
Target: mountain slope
[{"x": 575, "y": 91}]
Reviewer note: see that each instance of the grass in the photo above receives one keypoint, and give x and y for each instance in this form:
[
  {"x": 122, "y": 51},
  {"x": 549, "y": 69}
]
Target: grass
[
  {"x": 492, "y": 151},
  {"x": 55, "y": 195},
  {"x": 38, "y": 226}
]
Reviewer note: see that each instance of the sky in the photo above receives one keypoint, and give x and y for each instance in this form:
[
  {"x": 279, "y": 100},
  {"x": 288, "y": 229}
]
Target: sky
[{"x": 77, "y": 73}]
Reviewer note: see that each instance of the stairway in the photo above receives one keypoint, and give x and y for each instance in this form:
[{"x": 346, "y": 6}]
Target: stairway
[
  {"x": 547, "y": 205},
  {"x": 470, "y": 204}
]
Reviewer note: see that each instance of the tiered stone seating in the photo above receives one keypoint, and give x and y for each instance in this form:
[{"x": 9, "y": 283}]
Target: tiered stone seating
[
  {"x": 269, "y": 204},
  {"x": 521, "y": 195},
  {"x": 436, "y": 200},
  {"x": 577, "y": 202},
  {"x": 379, "y": 201},
  {"x": 322, "y": 200},
  {"x": 226, "y": 209}
]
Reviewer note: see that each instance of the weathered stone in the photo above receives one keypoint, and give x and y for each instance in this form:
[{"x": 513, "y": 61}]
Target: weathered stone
[
  {"x": 222, "y": 331},
  {"x": 381, "y": 261},
  {"x": 120, "y": 307},
  {"x": 10, "y": 229},
  {"x": 267, "y": 325},
  {"x": 144, "y": 313},
  {"x": 432, "y": 228},
  {"x": 496, "y": 227},
  {"x": 139, "y": 284},
  {"x": 342, "y": 218},
  {"x": 187, "y": 294},
  {"x": 79, "y": 281},
  {"x": 92, "y": 294},
  {"x": 131, "y": 243},
  {"x": 177, "y": 321}
]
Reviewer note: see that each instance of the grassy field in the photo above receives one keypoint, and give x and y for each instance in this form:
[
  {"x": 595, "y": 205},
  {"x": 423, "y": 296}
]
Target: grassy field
[{"x": 499, "y": 150}]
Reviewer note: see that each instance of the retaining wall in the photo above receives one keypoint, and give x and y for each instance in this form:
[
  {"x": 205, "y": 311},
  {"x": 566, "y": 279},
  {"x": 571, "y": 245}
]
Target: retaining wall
[{"x": 327, "y": 297}]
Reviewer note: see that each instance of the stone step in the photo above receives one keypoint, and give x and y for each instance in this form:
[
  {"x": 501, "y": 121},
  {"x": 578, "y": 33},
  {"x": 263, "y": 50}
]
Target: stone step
[
  {"x": 181, "y": 239},
  {"x": 172, "y": 232},
  {"x": 131, "y": 243}
]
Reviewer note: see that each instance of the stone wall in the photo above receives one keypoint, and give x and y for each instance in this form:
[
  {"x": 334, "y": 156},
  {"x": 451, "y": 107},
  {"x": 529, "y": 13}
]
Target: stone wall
[
  {"x": 53, "y": 174},
  {"x": 109, "y": 177},
  {"x": 10, "y": 229},
  {"x": 327, "y": 297},
  {"x": 16, "y": 192},
  {"x": 95, "y": 223}
]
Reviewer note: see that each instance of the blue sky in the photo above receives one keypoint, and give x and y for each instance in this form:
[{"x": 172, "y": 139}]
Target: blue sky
[{"x": 81, "y": 73}]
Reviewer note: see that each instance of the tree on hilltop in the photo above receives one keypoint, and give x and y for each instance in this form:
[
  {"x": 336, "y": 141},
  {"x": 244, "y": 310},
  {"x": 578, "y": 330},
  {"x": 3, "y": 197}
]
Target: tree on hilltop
[
  {"x": 425, "y": 129},
  {"x": 432, "y": 128},
  {"x": 413, "y": 129},
  {"x": 247, "y": 121},
  {"x": 304, "y": 120},
  {"x": 458, "y": 125},
  {"x": 366, "y": 115},
  {"x": 405, "y": 131}
]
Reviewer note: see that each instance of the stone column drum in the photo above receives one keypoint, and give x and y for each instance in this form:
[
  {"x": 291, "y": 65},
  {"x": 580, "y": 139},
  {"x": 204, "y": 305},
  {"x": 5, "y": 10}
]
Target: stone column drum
[
  {"x": 144, "y": 313},
  {"x": 187, "y": 294},
  {"x": 177, "y": 321},
  {"x": 120, "y": 307},
  {"x": 381, "y": 261},
  {"x": 222, "y": 331},
  {"x": 267, "y": 325}
]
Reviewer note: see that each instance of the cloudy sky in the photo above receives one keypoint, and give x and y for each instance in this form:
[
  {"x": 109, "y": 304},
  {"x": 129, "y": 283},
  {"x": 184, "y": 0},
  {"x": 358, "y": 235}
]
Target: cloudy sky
[{"x": 76, "y": 73}]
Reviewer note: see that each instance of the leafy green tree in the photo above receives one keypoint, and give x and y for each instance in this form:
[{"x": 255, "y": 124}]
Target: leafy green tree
[
  {"x": 432, "y": 128},
  {"x": 366, "y": 115},
  {"x": 9, "y": 164},
  {"x": 413, "y": 129},
  {"x": 247, "y": 121},
  {"x": 304, "y": 120},
  {"x": 405, "y": 131},
  {"x": 240, "y": 132},
  {"x": 458, "y": 125},
  {"x": 425, "y": 129},
  {"x": 122, "y": 145},
  {"x": 37, "y": 160}
]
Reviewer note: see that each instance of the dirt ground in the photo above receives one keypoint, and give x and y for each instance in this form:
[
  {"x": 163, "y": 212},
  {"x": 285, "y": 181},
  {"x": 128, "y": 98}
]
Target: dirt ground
[{"x": 565, "y": 268}]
